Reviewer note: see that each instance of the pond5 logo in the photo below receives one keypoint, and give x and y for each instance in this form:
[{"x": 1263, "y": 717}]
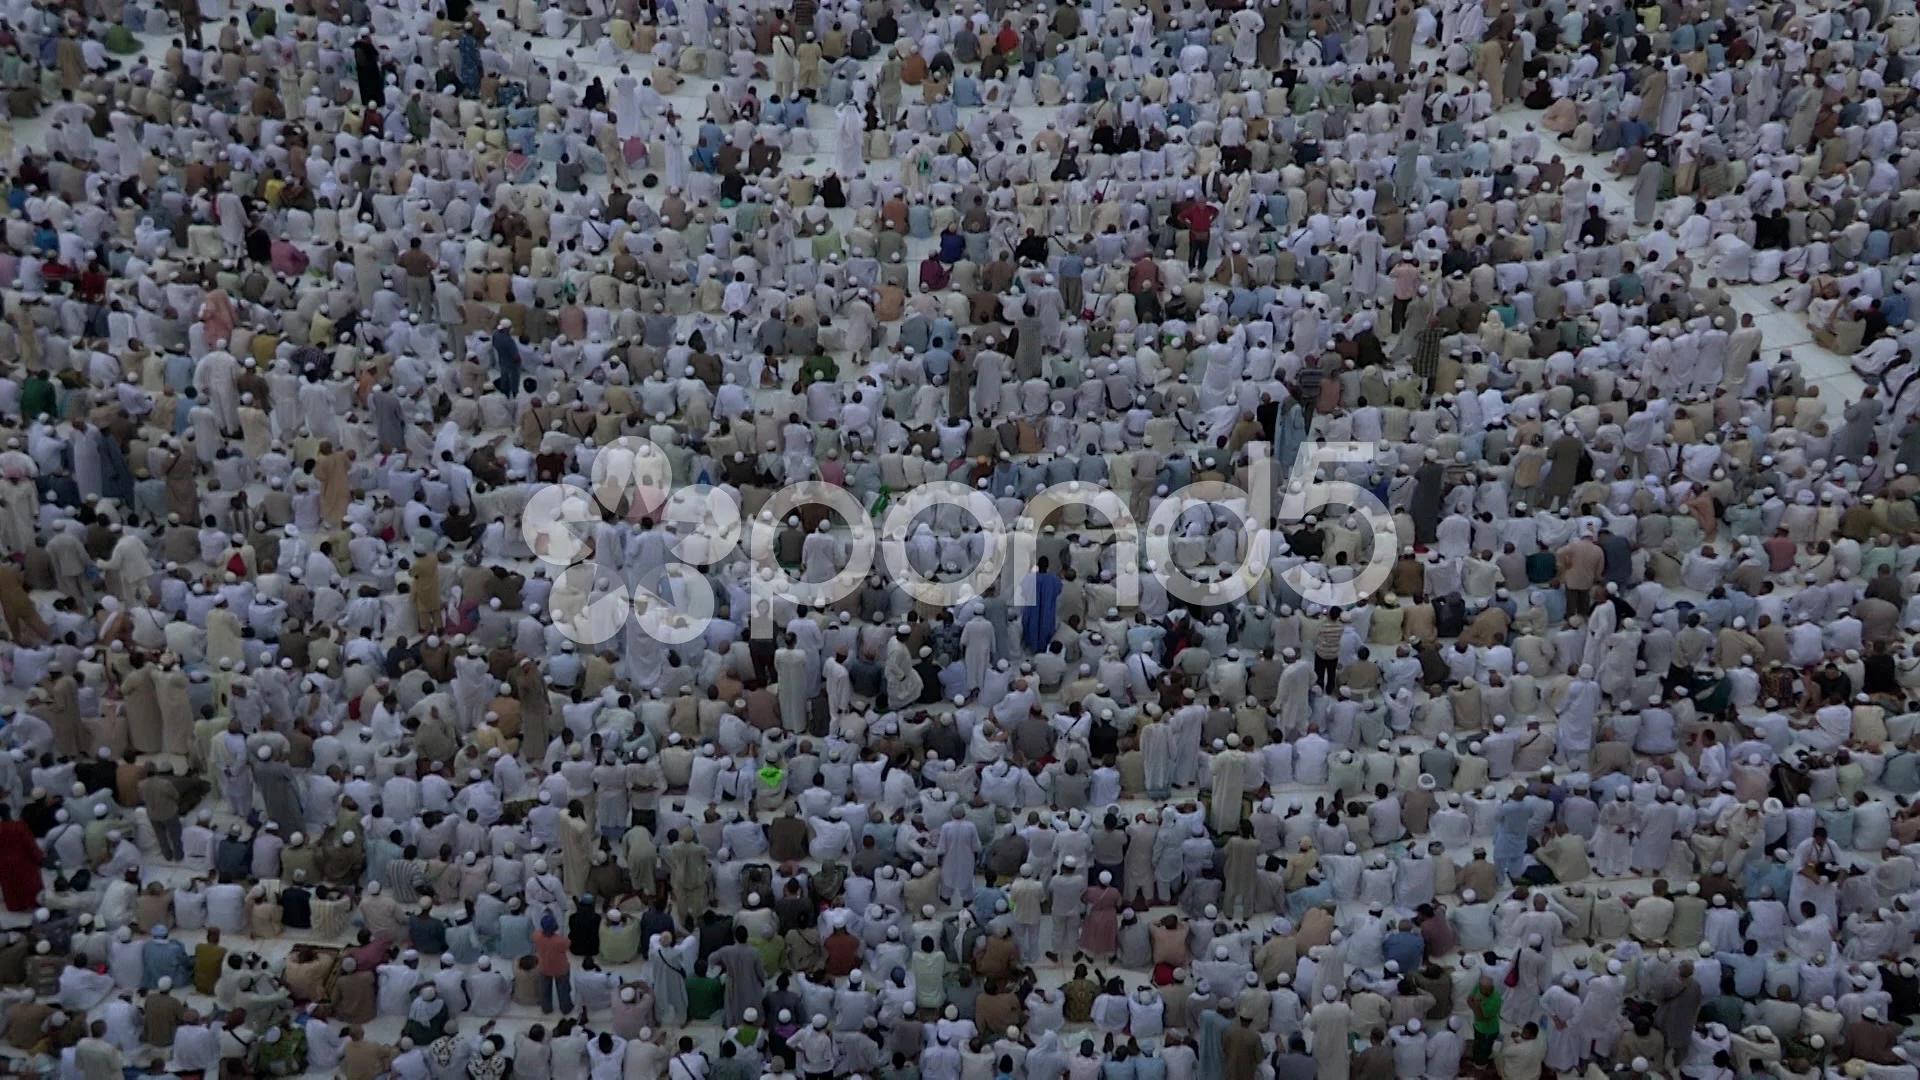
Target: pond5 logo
[{"x": 600, "y": 591}]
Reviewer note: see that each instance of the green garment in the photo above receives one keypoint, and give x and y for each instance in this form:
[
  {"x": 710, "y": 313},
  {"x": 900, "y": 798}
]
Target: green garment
[
  {"x": 37, "y": 396},
  {"x": 773, "y": 952},
  {"x": 1486, "y": 1011},
  {"x": 287, "y": 1057},
  {"x": 705, "y": 996},
  {"x": 1541, "y": 567},
  {"x": 619, "y": 942},
  {"x": 820, "y": 368}
]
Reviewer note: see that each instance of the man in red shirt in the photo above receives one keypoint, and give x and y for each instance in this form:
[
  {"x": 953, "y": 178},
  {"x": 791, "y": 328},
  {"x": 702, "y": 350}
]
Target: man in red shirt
[
  {"x": 1406, "y": 286},
  {"x": 554, "y": 966},
  {"x": 1144, "y": 276},
  {"x": 1198, "y": 217},
  {"x": 1780, "y": 550},
  {"x": 1008, "y": 41}
]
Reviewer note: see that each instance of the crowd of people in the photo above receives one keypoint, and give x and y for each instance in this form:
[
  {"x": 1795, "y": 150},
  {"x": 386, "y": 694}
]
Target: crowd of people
[{"x": 1559, "y": 721}]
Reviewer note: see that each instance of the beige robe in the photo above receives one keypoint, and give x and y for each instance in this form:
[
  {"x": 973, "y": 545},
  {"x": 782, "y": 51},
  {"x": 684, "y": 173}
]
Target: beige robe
[
  {"x": 138, "y": 691},
  {"x": 223, "y": 637},
  {"x": 176, "y": 712},
  {"x": 576, "y": 853},
  {"x": 335, "y": 490},
  {"x": 424, "y": 576}
]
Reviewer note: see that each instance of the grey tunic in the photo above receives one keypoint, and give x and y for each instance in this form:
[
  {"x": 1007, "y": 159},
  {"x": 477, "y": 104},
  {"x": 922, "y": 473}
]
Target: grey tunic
[
  {"x": 275, "y": 781},
  {"x": 746, "y": 978},
  {"x": 1646, "y": 191},
  {"x": 1851, "y": 443}
]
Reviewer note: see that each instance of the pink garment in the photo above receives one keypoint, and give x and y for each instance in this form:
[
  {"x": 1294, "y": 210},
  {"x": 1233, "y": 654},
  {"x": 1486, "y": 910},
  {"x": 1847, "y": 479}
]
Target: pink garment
[
  {"x": 216, "y": 314},
  {"x": 1100, "y": 933}
]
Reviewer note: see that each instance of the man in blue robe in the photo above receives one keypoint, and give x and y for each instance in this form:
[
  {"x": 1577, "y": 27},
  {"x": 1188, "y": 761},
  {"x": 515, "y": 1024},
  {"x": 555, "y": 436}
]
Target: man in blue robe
[{"x": 1039, "y": 616}]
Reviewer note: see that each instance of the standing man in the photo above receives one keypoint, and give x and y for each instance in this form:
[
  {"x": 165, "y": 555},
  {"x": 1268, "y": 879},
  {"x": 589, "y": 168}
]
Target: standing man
[
  {"x": 506, "y": 358},
  {"x": 1041, "y": 612},
  {"x": 162, "y": 800},
  {"x": 1198, "y": 217},
  {"x": 1484, "y": 1003},
  {"x": 419, "y": 269},
  {"x": 555, "y": 970}
]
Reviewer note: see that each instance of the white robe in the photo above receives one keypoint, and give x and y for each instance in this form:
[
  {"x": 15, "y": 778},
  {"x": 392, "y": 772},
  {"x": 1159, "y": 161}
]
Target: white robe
[
  {"x": 790, "y": 669},
  {"x": 849, "y": 139},
  {"x": 196, "y": 1048},
  {"x": 1229, "y": 770}
]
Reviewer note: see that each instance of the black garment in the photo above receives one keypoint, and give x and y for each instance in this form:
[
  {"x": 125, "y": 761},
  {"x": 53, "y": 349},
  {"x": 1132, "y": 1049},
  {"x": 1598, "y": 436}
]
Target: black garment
[
  {"x": 233, "y": 859},
  {"x": 583, "y": 932},
  {"x": 1875, "y": 323},
  {"x": 97, "y": 774},
  {"x": 40, "y": 817},
  {"x": 457, "y": 526},
  {"x": 1904, "y": 990},
  {"x": 1771, "y": 232},
  {"x": 1834, "y": 685},
  {"x": 1619, "y": 558},
  {"x": 296, "y": 908},
  {"x": 368, "y": 74},
  {"x": 929, "y": 681},
  {"x": 427, "y": 935},
  {"x": 1622, "y": 611},
  {"x": 402, "y": 654},
  {"x": 1103, "y": 739},
  {"x": 866, "y": 677},
  {"x": 1881, "y": 676},
  {"x": 653, "y": 921},
  {"x": 1294, "y": 1066},
  {"x": 58, "y": 931},
  {"x": 1372, "y": 352},
  {"x": 794, "y": 913},
  {"x": 714, "y": 936},
  {"x": 1267, "y": 413},
  {"x": 946, "y": 740}
]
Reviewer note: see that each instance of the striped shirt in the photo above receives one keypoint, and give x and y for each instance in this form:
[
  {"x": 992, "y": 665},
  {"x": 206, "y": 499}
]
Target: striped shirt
[
  {"x": 1326, "y": 640},
  {"x": 405, "y": 877}
]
